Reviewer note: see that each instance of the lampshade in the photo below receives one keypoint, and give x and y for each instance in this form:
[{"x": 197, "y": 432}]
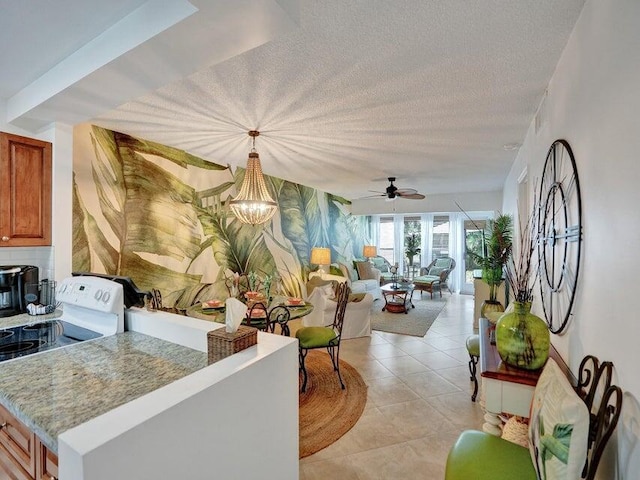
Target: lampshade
[
  {"x": 320, "y": 256},
  {"x": 369, "y": 251},
  {"x": 253, "y": 204}
]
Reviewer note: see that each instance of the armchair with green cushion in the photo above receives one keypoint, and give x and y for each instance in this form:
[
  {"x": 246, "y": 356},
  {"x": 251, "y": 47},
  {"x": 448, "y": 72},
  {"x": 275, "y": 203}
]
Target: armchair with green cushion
[
  {"x": 325, "y": 337},
  {"x": 435, "y": 275},
  {"x": 384, "y": 266}
]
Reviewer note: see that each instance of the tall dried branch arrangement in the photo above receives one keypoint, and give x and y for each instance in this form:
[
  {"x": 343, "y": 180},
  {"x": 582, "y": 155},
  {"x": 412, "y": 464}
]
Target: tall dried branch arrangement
[{"x": 520, "y": 271}]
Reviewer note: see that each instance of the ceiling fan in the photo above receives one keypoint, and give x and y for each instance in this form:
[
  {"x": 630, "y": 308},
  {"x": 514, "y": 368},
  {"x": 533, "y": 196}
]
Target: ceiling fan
[{"x": 392, "y": 192}]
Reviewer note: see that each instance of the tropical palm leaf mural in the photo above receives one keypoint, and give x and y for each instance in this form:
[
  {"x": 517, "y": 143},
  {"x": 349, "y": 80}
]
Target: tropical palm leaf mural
[{"x": 138, "y": 213}]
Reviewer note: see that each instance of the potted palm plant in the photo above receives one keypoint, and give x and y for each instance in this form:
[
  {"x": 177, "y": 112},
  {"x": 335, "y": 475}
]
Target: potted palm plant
[
  {"x": 412, "y": 246},
  {"x": 498, "y": 238}
]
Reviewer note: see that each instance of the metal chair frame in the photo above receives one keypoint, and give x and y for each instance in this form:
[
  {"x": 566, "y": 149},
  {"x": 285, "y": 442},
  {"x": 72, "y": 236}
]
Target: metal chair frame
[{"x": 333, "y": 348}]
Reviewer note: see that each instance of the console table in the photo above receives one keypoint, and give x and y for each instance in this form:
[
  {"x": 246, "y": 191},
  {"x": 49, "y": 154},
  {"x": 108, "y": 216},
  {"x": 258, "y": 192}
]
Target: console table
[{"x": 507, "y": 389}]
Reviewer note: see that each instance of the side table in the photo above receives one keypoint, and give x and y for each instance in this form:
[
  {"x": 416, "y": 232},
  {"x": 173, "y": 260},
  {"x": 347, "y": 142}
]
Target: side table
[
  {"x": 507, "y": 389},
  {"x": 397, "y": 297}
]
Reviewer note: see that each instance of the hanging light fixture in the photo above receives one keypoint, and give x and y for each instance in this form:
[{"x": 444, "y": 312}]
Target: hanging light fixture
[{"x": 253, "y": 204}]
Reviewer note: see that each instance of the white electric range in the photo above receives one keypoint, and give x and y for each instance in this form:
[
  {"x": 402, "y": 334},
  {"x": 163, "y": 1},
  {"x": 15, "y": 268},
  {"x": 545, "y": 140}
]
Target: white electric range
[{"x": 92, "y": 307}]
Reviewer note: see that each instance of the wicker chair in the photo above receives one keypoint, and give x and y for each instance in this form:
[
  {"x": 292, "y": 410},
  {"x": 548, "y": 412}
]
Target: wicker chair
[{"x": 435, "y": 275}]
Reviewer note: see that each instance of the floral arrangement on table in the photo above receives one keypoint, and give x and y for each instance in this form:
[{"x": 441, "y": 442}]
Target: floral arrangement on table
[{"x": 249, "y": 287}]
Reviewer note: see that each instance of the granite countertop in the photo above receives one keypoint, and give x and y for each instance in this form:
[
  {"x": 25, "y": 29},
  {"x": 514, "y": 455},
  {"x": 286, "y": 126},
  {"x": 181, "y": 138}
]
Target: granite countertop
[
  {"x": 56, "y": 390},
  {"x": 24, "y": 318}
]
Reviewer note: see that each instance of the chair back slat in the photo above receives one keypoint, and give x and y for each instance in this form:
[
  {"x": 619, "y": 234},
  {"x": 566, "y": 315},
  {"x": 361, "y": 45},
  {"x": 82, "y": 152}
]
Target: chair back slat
[
  {"x": 279, "y": 315},
  {"x": 342, "y": 298}
]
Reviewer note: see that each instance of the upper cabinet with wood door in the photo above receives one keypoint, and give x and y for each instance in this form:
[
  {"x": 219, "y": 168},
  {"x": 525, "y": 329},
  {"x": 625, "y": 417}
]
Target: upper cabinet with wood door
[{"x": 25, "y": 191}]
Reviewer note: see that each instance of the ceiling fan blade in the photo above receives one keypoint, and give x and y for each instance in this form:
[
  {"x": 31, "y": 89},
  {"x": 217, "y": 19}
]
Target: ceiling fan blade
[
  {"x": 412, "y": 196},
  {"x": 377, "y": 195},
  {"x": 403, "y": 192}
]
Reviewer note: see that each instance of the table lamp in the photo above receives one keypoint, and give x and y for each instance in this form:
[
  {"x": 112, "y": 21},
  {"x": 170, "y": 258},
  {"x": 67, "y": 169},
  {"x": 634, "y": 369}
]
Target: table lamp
[
  {"x": 369, "y": 251},
  {"x": 322, "y": 257}
]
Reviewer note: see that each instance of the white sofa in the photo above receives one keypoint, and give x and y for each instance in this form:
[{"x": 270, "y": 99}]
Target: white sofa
[
  {"x": 371, "y": 286},
  {"x": 357, "y": 316}
]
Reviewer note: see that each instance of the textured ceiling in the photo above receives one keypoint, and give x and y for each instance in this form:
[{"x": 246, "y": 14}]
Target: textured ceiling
[{"x": 428, "y": 91}]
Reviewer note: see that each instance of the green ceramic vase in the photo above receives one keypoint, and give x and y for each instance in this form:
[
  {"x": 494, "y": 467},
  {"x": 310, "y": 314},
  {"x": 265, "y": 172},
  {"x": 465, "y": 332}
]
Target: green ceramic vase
[{"x": 522, "y": 338}]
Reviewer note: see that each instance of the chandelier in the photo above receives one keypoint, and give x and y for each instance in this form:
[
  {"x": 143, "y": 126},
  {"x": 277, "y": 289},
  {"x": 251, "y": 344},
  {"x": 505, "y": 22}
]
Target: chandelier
[{"x": 253, "y": 205}]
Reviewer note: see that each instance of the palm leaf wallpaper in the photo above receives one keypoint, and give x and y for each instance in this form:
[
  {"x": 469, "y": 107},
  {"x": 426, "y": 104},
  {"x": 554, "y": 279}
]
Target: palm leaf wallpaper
[{"x": 160, "y": 216}]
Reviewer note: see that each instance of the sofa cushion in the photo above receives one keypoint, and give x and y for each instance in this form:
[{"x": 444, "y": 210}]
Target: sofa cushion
[
  {"x": 348, "y": 271},
  {"x": 558, "y": 426},
  {"x": 381, "y": 264},
  {"x": 365, "y": 271},
  {"x": 443, "y": 263},
  {"x": 436, "y": 271},
  {"x": 426, "y": 279}
]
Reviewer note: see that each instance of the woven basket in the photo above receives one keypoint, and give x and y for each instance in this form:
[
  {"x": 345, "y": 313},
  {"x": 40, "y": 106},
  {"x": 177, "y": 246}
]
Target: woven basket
[{"x": 221, "y": 344}]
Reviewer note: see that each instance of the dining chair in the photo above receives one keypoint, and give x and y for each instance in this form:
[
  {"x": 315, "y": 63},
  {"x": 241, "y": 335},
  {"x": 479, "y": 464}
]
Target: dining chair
[
  {"x": 279, "y": 315},
  {"x": 325, "y": 337}
]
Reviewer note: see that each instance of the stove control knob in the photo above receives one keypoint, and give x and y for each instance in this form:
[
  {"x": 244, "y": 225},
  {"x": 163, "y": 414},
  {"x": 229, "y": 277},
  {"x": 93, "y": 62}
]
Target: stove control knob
[
  {"x": 106, "y": 297},
  {"x": 98, "y": 294}
]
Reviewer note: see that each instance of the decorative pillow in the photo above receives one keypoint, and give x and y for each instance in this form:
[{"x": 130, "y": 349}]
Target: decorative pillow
[
  {"x": 317, "y": 282},
  {"x": 353, "y": 275},
  {"x": 436, "y": 271},
  {"x": 364, "y": 270},
  {"x": 443, "y": 263},
  {"x": 356, "y": 297},
  {"x": 380, "y": 264},
  {"x": 335, "y": 270},
  {"x": 558, "y": 427}
]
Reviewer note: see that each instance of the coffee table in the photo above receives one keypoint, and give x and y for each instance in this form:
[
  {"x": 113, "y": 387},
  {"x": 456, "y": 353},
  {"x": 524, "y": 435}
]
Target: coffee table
[{"x": 397, "y": 297}]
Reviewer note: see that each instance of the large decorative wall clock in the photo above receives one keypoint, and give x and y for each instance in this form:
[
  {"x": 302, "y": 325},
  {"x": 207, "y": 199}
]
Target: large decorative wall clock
[{"x": 560, "y": 230}]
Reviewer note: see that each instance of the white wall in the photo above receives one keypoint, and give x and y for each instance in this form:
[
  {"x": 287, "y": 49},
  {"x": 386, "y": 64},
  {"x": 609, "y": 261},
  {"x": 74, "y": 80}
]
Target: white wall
[{"x": 593, "y": 102}]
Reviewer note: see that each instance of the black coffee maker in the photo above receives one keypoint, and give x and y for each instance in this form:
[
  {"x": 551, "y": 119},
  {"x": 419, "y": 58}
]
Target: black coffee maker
[{"x": 13, "y": 287}]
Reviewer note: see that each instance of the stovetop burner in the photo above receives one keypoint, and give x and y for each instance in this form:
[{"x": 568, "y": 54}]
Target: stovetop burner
[
  {"x": 18, "y": 347},
  {"x": 38, "y": 337},
  {"x": 5, "y": 334}
]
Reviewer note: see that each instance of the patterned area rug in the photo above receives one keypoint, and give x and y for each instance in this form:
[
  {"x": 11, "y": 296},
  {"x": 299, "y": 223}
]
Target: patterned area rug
[{"x": 415, "y": 323}]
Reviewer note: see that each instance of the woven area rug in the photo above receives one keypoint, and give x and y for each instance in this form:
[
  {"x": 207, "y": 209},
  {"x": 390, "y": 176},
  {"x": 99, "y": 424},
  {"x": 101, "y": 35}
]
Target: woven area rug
[
  {"x": 326, "y": 411},
  {"x": 415, "y": 323}
]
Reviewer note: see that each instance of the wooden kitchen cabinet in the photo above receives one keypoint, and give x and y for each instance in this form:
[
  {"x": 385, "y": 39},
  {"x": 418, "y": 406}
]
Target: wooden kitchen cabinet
[
  {"x": 25, "y": 191},
  {"x": 46, "y": 463},
  {"x": 22, "y": 455}
]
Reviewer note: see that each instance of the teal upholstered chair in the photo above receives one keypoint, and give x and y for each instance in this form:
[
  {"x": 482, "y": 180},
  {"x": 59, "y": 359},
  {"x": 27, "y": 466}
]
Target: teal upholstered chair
[
  {"x": 435, "y": 275},
  {"x": 325, "y": 337}
]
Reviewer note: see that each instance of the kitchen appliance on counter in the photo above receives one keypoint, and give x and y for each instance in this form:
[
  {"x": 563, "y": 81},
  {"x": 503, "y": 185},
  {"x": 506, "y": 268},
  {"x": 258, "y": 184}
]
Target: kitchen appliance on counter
[
  {"x": 91, "y": 308},
  {"x": 13, "y": 287}
]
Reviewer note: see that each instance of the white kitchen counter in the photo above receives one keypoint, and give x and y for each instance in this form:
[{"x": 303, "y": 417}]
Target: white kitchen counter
[{"x": 234, "y": 419}]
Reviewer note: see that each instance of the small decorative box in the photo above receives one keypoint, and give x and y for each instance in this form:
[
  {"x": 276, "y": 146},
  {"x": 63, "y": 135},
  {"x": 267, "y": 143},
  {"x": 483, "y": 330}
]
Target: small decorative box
[{"x": 221, "y": 344}]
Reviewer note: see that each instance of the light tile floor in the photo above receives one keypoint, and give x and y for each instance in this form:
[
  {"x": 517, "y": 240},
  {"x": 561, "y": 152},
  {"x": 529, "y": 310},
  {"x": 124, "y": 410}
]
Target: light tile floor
[{"x": 419, "y": 400}]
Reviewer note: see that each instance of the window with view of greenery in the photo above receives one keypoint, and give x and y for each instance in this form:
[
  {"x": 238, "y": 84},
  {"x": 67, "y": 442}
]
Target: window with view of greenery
[
  {"x": 440, "y": 243},
  {"x": 412, "y": 240}
]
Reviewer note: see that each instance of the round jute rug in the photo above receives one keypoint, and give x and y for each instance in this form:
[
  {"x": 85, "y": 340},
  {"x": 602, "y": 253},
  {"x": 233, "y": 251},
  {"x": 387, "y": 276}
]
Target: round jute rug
[{"x": 326, "y": 411}]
